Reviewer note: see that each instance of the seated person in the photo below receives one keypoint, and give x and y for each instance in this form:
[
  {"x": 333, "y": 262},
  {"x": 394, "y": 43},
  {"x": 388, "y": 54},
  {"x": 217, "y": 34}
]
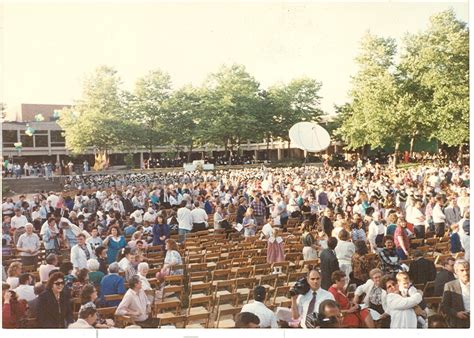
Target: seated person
[{"x": 246, "y": 320}]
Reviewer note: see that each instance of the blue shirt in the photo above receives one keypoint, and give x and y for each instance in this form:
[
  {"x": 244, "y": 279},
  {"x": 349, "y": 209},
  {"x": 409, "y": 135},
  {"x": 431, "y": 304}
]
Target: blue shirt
[
  {"x": 129, "y": 230},
  {"x": 112, "y": 284},
  {"x": 160, "y": 230},
  {"x": 455, "y": 243}
]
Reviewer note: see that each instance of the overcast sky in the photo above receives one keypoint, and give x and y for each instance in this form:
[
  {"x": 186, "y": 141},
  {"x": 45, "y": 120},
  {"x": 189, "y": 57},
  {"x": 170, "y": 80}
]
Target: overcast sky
[{"x": 48, "y": 48}]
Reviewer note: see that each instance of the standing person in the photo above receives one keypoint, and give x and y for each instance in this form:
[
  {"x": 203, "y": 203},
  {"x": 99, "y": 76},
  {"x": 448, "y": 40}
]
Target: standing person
[
  {"x": 161, "y": 231},
  {"x": 250, "y": 223},
  {"x": 56, "y": 300},
  {"x": 18, "y": 223},
  {"x": 114, "y": 243},
  {"x": 303, "y": 307},
  {"x": 326, "y": 222},
  {"x": 29, "y": 246},
  {"x": 452, "y": 212},
  {"x": 81, "y": 253},
  {"x": 259, "y": 209},
  {"x": 402, "y": 242},
  {"x": 400, "y": 309},
  {"x": 94, "y": 241},
  {"x": 329, "y": 263},
  {"x": 185, "y": 221},
  {"x": 418, "y": 220},
  {"x": 390, "y": 261},
  {"x": 199, "y": 218},
  {"x": 345, "y": 249},
  {"x": 51, "y": 237},
  {"x": 376, "y": 232},
  {"x": 456, "y": 297},
  {"x": 421, "y": 270},
  {"x": 439, "y": 219},
  {"x": 309, "y": 242}
]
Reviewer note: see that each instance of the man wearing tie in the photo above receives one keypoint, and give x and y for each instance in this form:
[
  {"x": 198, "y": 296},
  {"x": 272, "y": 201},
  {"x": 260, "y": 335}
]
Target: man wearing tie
[
  {"x": 452, "y": 212},
  {"x": 303, "y": 306}
]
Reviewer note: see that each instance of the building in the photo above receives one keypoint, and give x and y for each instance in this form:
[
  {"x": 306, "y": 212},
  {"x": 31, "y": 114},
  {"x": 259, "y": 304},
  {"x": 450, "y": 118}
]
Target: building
[{"x": 48, "y": 143}]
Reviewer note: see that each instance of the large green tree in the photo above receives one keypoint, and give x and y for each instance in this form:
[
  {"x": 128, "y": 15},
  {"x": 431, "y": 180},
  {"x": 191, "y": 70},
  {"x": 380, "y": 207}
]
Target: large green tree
[
  {"x": 436, "y": 63},
  {"x": 99, "y": 118},
  {"x": 150, "y": 107},
  {"x": 230, "y": 100}
]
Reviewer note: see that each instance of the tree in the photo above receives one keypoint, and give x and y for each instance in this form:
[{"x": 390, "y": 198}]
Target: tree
[
  {"x": 374, "y": 118},
  {"x": 98, "y": 119},
  {"x": 184, "y": 118},
  {"x": 150, "y": 106},
  {"x": 436, "y": 63},
  {"x": 294, "y": 102},
  {"x": 230, "y": 99}
]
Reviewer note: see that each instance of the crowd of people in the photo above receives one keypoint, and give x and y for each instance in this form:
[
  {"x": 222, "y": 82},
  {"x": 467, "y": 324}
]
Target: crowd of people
[{"x": 373, "y": 230}]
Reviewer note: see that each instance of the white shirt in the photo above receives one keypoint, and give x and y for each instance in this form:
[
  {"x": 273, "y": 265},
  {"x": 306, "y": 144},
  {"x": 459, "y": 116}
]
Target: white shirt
[
  {"x": 79, "y": 257},
  {"x": 136, "y": 302},
  {"x": 54, "y": 200},
  {"x": 266, "y": 316},
  {"x": 199, "y": 215},
  {"x": 25, "y": 292},
  {"x": 336, "y": 231},
  {"x": 375, "y": 230},
  {"x": 80, "y": 324},
  {"x": 13, "y": 282},
  {"x": 438, "y": 215},
  {"x": 344, "y": 251},
  {"x": 267, "y": 230},
  {"x": 18, "y": 222},
  {"x": 466, "y": 296},
  {"x": 417, "y": 217},
  {"x": 367, "y": 289},
  {"x": 150, "y": 217},
  {"x": 401, "y": 310},
  {"x": 26, "y": 241},
  {"x": 185, "y": 220},
  {"x": 304, "y": 300},
  {"x": 124, "y": 264}
]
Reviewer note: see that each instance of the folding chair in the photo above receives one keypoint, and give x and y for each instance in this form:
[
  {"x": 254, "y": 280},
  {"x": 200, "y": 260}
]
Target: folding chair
[
  {"x": 167, "y": 309},
  {"x": 244, "y": 272},
  {"x": 225, "y": 302},
  {"x": 269, "y": 283},
  {"x": 199, "y": 309},
  {"x": 281, "y": 297},
  {"x": 202, "y": 320},
  {"x": 176, "y": 321},
  {"x": 226, "y": 323},
  {"x": 219, "y": 275},
  {"x": 244, "y": 287}
]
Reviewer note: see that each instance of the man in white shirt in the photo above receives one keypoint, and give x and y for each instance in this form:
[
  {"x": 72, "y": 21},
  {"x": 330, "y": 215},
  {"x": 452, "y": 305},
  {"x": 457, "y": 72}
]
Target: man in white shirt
[
  {"x": 199, "y": 218},
  {"x": 53, "y": 199},
  {"x": 266, "y": 316},
  {"x": 439, "y": 219},
  {"x": 185, "y": 221},
  {"x": 25, "y": 290},
  {"x": 18, "y": 223},
  {"x": 86, "y": 317},
  {"x": 8, "y": 207},
  {"x": 44, "y": 270},
  {"x": 150, "y": 216},
  {"x": 28, "y": 245},
  {"x": 81, "y": 253},
  {"x": 303, "y": 306}
]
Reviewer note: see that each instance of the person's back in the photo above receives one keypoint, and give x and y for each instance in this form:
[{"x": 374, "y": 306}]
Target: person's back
[{"x": 112, "y": 284}]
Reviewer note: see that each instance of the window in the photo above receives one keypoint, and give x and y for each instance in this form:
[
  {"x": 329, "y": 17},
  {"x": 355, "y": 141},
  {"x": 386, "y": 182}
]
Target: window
[
  {"x": 57, "y": 140},
  {"x": 27, "y": 141},
  {"x": 41, "y": 141},
  {"x": 9, "y": 137}
]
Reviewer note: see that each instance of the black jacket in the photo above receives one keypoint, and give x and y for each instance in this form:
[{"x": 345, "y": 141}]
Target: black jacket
[
  {"x": 48, "y": 312},
  {"x": 329, "y": 264},
  {"x": 443, "y": 277},
  {"x": 422, "y": 270}
]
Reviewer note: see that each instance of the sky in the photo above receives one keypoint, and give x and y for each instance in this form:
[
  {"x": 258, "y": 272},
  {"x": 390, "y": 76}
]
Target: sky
[{"x": 48, "y": 48}]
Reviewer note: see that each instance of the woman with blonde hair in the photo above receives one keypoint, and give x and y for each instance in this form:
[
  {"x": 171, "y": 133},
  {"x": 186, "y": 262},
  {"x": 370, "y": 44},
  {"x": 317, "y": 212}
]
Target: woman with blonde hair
[
  {"x": 250, "y": 223},
  {"x": 14, "y": 272}
]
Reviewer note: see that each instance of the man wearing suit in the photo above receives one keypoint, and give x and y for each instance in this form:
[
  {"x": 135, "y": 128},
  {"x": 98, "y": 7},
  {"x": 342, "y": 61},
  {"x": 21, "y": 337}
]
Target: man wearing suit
[
  {"x": 456, "y": 297},
  {"x": 452, "y": 212},
  {"x": 421, "y": 270},
  {"x": 444, "y": 276},
  {"x": 329, "y": 263}
]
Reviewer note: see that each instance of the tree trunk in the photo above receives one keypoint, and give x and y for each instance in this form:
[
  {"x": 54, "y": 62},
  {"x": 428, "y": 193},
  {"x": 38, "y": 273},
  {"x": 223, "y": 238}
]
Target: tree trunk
[
  {"x": 268, "y": 148},
  {"x": 397, "y": 150},
  {"x": 412, "y": 143},
  {"x": 460, "y": 154}
]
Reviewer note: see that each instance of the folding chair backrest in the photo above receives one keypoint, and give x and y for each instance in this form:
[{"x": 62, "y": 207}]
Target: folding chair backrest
[
  {"x": 177, "y": 321},
  {"x": 222, "y": 274},
  {"x": 174, "y": 279}
]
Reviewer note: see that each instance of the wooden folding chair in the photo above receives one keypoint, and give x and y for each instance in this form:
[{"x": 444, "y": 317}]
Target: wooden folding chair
[
  {"x": 224, "y": 264},
  {"x": 309, "y": 264},
  {"x": 199, "y": 308},
  {"x": 114, "y": 297},
  {"x": 283, "y": 268},
  {"x": 167, "y": 309},
  {"x": 174, "y": 280},
  {"x": 222, "y": 322},
  {"x": 434, "y": 303},
  {"x": 225, "y": 302},
  {"x": 280, "y": 297},
  {"x": 269, "y": 283},
  {"x": 173, "y": 293},
  {"x": 199, "y": 290},
  {"x": 202, "y": 320},
  {"x": 176, "y": 321},
  {"x": 219, "y": 275},
  {"x": 244, "y": 272},
  {"x": 294, "y": 276},
  {"x": 428, "y": 290},
  {"x": 107, "y": 312},
  {"x": 244, "y": 287}
]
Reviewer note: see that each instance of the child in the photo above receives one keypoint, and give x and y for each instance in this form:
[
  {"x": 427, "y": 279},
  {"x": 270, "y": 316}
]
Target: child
[
  {"x": 455, "y": 239},
  {"x": 407, "y": 289}
]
